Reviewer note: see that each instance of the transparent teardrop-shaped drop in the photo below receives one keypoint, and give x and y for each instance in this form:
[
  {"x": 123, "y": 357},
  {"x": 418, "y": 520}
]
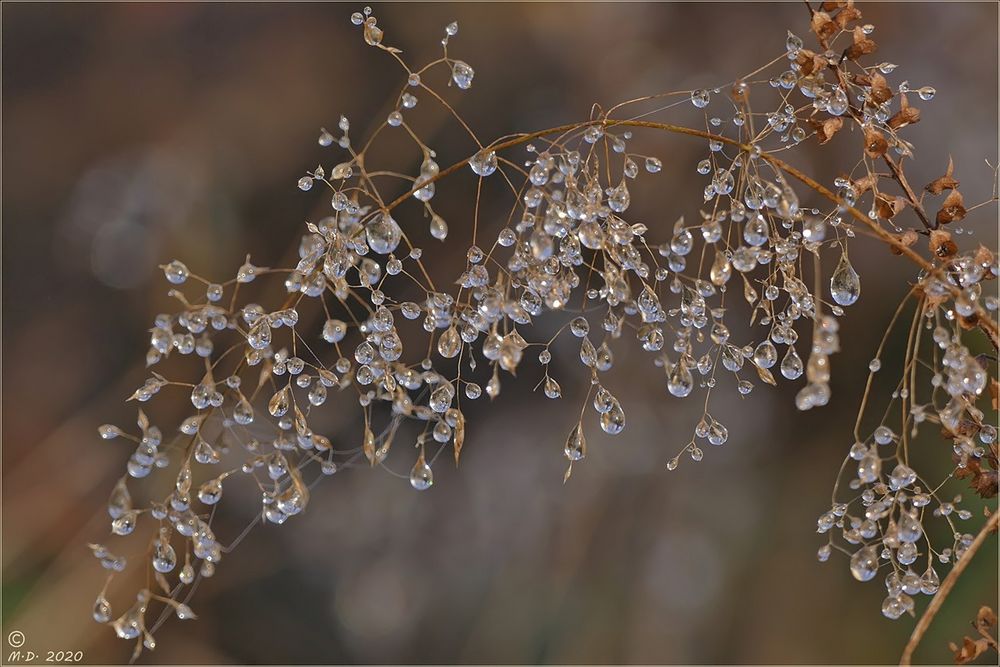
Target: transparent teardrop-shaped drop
[
  {"x": 493, "y": 386},
  {"x": 791, "y": 365},
  {"x": 128, "y": 626},
  {"x": 334, "y": 331},
  {"x": 210, "y": 492},
  {"x": 864, "y": 564},
  {"x": 187, "y": 574},
  {"x": 421, "y": 476},
  {"x": 721, "y": 270},
  {"x": 929, "y": 582},
  {"x": 618, "y": 199},
  {"x": 317, "y": 394},
  {"x": 552, "y": 388},
  {"x": 120, "y": 501},
  {"x": 717, "y": 433},
  {"x": 164, "y": 557},
  {"x": 279, "y": 403},
  {"x": 588, "y": 354},
  {"x": 439, "y": 228},
  {"x": 576, "y": 444},
  {"x": 680, "y": 382},
  {"x": 259, "y": 336},
  {"x": 243, "y": 412},
  {"x": 700, "y": 98},
  {"x": 204, "y": 453},
  {"x": 462, "y": 74},
  {"x": 845, "y": 285},
  {"x": 909, "y": 528},
  {"x": 184, "y": 612},
  {"x": 125, "y": 524},
  {"x": 605, "y": 359},
  {"x": 176, "y": 272},
  {"x": 484, "y": 162},
  {"x": 765, "y": 355},
  {"x": 102, "y": 609},
  {"x": 838, "y": 102},
  {"x": 869, "y": 467},
  {"x": 383, "y": 234},
  {"x": 613, "y": 421},
  {"x": 450, "y": 343},
  {"x": 441, "y": 398}
]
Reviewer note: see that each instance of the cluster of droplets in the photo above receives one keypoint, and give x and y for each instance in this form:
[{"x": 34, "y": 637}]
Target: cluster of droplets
[
  {"x": 886, "y": 527},
  {"x": 260, "y": 379}
]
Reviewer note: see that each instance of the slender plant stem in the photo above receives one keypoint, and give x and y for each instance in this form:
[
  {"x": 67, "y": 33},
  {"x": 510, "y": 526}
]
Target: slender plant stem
[{"x": 949, "y": 582}]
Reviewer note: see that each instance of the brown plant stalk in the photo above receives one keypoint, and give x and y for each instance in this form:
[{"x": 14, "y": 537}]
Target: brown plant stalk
[{"x": 947, "y": 585}]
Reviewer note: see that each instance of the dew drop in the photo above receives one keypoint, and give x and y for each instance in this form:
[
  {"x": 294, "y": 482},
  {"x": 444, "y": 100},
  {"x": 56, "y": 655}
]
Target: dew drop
[
  {"x": 102, "y": 610},
  {"x": 461, "y": 74},
  {"x": 864, "y": 564},
  {"x": 613, "y": 421},
  {"x": 576, "y": 444},
  {"x": 421, "y": 476},
  {"x": 845, "y": 285},
  {"x": 791, "y": 365}
]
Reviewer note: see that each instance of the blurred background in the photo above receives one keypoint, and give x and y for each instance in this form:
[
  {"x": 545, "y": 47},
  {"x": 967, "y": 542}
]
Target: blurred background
[{"x": 136, "y": 133}]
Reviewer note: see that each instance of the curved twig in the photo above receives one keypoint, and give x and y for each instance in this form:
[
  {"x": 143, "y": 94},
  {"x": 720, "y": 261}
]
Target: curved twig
[{"x": 946, "y": 586}]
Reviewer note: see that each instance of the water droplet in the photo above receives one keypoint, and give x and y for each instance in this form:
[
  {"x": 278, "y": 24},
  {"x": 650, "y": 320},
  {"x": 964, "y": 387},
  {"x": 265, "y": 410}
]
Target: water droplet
[
  {"x": 864, "y": 564},
  {"x": 552, "y": 388},
  {"x": 845, "y": 285},
  {"x": 721, "y": 270},
  {"x": 791, "y": 365},
  {"x": 680, "y": 382},
  {"x": 462, "y": 74},
  {"x": 102, "y": 610},
  {"x": 576, "y": 444},
  {"x": 176, "y": 272},
  {"x": 613, "y": 421},
  {"x": 211, "y": 491},
  {"x": 450, "y": 343},
  {"x": 421, "y": 476},
  {"x": 279, "y": 403},
  {"x": 484, "y": 162},
  {"x": 164, "y": 557},
  {"x": 125, "y": 524},
  {"x": 700, "y": 98},
  {"x": 439, "y": 228},
  {"x": 383, "y": 234}
]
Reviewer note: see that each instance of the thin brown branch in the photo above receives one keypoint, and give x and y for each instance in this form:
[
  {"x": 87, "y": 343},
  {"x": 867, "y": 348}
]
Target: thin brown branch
[
  {"x": 900, "y": 177},
  {"x": 946, "y": 586}
]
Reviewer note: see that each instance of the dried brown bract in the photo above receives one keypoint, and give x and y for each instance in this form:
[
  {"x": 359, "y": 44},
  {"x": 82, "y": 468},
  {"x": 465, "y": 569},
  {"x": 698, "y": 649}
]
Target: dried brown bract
[
  {"x": 946, "y": 182},
  {"x": 907, "y": 115},
  {"x": 876, "y": 144},
  {"x": 906, "y": 238},
  {"x": 973, "y": 648},
  {"x": 862, "y": 45},
  {"x": 942, "y": 244},
  {"x": 953, "y": 208},
  {"x": 828, "y": 127}
]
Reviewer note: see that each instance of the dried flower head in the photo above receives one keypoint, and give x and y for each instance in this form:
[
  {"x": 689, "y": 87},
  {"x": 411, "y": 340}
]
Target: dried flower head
[{"x": 749, "y": 291}]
